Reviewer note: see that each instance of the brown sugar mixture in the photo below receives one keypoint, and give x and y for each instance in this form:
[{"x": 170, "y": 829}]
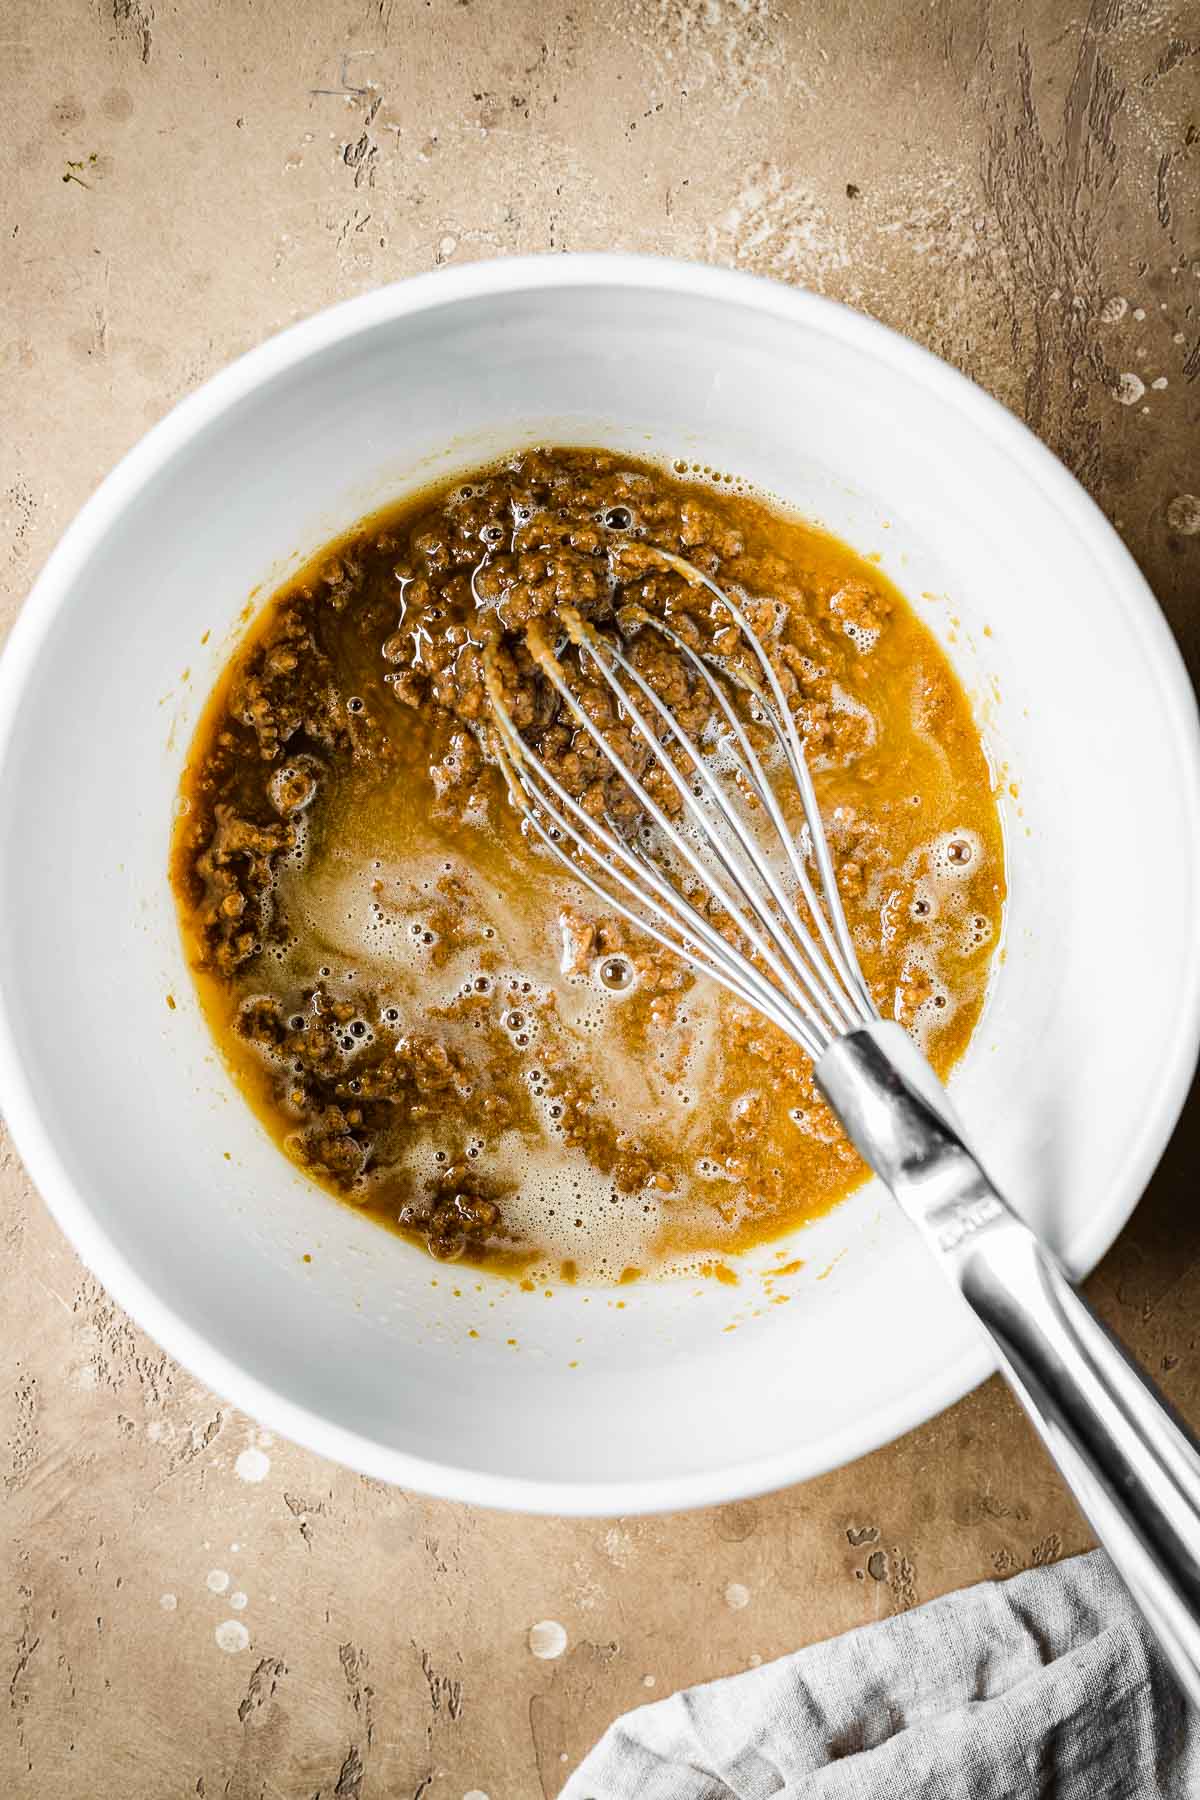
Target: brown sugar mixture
[{"x": 429, "y": 1015}]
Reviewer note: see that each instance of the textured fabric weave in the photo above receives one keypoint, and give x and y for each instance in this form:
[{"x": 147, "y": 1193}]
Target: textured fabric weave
[{"x": 1044, "y": 1685}]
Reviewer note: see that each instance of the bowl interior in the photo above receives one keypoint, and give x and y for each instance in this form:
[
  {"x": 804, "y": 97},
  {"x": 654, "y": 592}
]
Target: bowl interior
[{"x": 174, "y": 1192}]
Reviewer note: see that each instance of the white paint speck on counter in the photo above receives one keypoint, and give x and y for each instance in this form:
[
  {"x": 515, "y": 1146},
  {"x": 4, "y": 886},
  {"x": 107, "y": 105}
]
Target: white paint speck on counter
[
  {"x": 253, "y": 1465},
  {"x": 547, "y": 1639},
  {"x": 1183, "y": 515},
  {"x": 231, "y": 1635}
]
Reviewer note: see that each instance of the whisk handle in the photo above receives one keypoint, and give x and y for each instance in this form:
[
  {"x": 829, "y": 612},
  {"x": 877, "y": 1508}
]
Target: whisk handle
[{"x": 1132, "y": 1464}]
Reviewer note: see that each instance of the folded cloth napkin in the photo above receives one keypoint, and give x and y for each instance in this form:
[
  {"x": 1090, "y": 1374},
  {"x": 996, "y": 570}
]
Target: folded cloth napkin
[{"x": 1047, "y": 1684}]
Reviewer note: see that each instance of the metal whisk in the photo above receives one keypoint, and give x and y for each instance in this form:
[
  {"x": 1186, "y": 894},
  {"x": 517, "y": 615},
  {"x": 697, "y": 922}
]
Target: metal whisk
[
  {"x": 817, "y": 992},
  {"x": 743, "y": 894}
]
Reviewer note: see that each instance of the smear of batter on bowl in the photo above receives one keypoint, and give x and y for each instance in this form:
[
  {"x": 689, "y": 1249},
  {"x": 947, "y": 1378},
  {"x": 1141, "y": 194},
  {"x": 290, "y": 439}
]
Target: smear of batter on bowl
[{"x": 430, "y": 1017}]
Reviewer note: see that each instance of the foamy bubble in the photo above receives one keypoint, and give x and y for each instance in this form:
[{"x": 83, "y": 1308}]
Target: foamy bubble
[
  {"x": 553, "y": 1197},
  {"x": 956, "y": 855},
  {"x": 293, "y": 787},
  {"x": 863, "y": 637},
  {"x": 939, "y": 1006},
  {"x": 924, "y": 906},
  {"x": 614, "y": 975},
  {"x": 976, "y": 932},
  {"x": 359, "y": 914}
]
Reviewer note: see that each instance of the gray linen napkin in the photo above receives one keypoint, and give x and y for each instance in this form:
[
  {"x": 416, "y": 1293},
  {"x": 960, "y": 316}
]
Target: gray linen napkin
[{"x": 1046, "y": 1684}]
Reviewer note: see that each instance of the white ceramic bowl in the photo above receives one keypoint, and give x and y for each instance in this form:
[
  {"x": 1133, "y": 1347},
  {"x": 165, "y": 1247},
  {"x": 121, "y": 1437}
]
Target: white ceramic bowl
[{"x": 172, "y": 1192}]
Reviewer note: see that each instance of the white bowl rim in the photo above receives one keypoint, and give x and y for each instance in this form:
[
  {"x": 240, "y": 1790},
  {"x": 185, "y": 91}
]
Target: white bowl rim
[{"x": 421, "y": 293}]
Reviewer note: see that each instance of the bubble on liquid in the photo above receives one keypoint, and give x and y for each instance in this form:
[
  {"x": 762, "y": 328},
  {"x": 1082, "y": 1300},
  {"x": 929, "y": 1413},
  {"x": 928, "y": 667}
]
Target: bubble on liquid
[
  {"x": 977, "y": 932},
  {"x": 956, "y": 855},
  {"x": 938, "y": 1006},
  {"x": 863, "y": 637},
  {"x": 293, "y": 787},
  {"x": 360, "y": 915},
  {"x": 710, "y": 1170},
  {"x": 615, "y": 974}
]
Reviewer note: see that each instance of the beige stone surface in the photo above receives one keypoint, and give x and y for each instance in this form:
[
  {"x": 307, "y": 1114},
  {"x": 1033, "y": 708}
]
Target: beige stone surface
[{"x": 1013, "y": 185}]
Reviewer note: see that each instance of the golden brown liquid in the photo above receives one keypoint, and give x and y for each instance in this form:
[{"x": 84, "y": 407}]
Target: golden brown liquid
[{"x": 621, "y": 1116}]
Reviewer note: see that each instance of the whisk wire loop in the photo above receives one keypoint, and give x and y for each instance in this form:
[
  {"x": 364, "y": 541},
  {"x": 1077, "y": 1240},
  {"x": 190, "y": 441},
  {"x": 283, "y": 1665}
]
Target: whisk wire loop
[
  {"x": 783, "y": 723},
  {"x": 813, "y": 990},
  {"x": 607, "y": 656},
  {"x": 848, "y": 1016},
  {"x": 681, "y": 927}
]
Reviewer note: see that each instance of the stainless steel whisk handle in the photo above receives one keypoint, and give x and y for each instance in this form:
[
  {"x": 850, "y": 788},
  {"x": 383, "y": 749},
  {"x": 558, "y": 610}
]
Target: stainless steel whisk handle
[{"x": 1132, "y": 1464}]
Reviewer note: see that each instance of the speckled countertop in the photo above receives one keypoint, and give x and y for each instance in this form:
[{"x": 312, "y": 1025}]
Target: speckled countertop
[{"x": 188, "y": 1607}]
